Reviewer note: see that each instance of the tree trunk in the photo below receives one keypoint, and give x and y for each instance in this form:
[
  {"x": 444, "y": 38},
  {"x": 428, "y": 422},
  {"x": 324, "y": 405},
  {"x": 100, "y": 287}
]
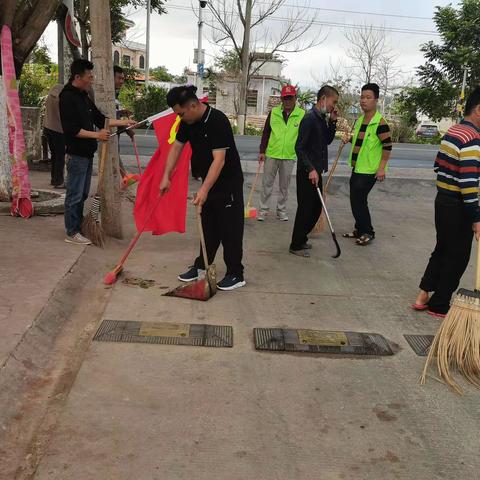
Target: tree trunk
[
  {"x": 30, "y": 31},
  {"x": 82, "y": 21},
  {"x": 242, "y": 104},
  {"x": 5, "y": 165},
  {"x": 105, "y": 100}
]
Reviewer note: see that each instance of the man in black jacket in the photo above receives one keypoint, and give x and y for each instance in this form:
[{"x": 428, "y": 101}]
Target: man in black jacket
[
  {"x": 79, "y": 116},
  {"x": 316, "y": 132}
]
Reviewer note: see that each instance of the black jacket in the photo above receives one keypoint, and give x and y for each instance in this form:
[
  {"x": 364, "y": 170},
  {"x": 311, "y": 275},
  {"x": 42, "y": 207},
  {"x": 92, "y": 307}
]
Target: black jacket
[
  {"x": 77, "y": 111},
  {"x": 314, "y": 136}
]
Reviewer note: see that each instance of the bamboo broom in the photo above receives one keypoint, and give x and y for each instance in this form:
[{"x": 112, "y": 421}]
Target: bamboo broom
[
  {"x": 91, "y": 226},
  {"x": 457, "y": 342},
  {"x": 321, "y": 222}
]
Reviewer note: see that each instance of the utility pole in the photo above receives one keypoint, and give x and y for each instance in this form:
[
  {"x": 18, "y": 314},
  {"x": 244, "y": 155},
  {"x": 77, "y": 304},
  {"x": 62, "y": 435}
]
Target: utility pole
[
  {"x": 61, "y": 63},
  {"x": 105, "y": 101},
  {"x": 242, "y": 106},
  {"x": 147, "y": 53},
  {"x": 199, "y": 53}
]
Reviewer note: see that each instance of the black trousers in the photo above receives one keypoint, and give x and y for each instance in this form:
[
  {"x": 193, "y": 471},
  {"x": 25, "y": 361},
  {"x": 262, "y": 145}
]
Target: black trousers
[
  {"x": 309, "y": 208},
  {"x": 450, "y": 258},
  {"x": 56, "y": 144},
  {"x": 223, "y": 221},
  {"x": 360, "y": 186}
]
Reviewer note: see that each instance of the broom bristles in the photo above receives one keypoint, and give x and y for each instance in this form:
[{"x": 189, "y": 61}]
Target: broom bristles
[
  {"x": 456, "y": 345},
  {"x": 320, "y": 225},
  {"x": 321, "y": 222},
  {"x": 93, "y": 230}
]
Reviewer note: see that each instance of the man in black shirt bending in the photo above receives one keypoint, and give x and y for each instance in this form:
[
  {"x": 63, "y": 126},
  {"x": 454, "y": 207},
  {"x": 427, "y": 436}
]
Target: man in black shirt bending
[
  {"x": 221, "y": 195},
  {"x": 79, "y": 117}
]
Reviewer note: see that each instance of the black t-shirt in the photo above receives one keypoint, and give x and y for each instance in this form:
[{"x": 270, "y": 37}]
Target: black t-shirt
[{"x": 213, "y": 132}]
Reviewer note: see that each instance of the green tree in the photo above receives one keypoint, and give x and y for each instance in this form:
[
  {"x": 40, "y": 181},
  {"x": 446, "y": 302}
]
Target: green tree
[
  {"x": 228, "y": 62},
  {"x": 181, "y": 78},
  {"x": 306, "y": 98},
  {"x": 441, "y": 75},
  {"x": 161, "y": 74},
  {"x": 35, "y": 82},
  {"x": 40, "y": 55},
  {"x": 148, "y": 101},
  {"x": 118, "y": 21}
]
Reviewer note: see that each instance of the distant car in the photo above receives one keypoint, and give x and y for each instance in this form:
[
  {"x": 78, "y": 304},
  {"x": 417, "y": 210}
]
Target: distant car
[{"x": 427, "y": 130}]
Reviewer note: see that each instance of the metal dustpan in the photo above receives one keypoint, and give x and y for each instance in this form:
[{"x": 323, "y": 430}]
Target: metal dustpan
[{"x": 205, "y": 287}]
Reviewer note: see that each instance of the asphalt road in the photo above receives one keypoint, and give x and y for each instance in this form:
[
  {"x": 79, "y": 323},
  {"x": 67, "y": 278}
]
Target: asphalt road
[{"x": 404, "y": 155}]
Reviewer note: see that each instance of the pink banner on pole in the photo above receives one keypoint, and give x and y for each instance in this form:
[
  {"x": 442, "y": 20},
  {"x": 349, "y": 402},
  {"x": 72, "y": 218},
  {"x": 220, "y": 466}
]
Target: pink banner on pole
[{"x": 21, "y": 203}]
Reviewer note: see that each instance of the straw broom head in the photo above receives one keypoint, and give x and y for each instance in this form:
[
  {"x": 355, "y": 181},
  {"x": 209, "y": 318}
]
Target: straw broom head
[
  {"x": 456, "y": 345},
  {"x": 320, "y": 225},
  {"x": 92, "y": 229}
]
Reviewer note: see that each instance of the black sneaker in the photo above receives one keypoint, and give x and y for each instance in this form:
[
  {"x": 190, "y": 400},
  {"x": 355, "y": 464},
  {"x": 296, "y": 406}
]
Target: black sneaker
[
  {"x": 192, "y": 274},
  {"x": 231, "y": 282}
]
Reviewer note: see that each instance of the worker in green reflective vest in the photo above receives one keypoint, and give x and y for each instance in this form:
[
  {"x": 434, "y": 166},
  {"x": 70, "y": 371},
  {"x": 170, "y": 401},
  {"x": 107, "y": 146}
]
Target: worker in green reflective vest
[
  {"x": 371, "y": 149},
  {"x": 277, "y": 151}
]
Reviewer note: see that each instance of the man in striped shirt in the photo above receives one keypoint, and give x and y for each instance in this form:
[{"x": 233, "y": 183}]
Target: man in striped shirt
[{"x": 457, "y": 211}]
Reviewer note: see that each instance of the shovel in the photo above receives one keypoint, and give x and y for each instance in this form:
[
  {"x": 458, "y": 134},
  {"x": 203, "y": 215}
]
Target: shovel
[{"x": 204, "y": 288}]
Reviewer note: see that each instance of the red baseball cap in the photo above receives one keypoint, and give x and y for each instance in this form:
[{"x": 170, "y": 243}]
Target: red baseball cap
[{"x": 288, "y": 91}]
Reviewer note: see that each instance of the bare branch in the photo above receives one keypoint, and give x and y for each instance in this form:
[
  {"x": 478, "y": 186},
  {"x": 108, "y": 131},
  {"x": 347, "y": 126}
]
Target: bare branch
[
  {"x": 240, "y": 12},
  {"x": 273, "y": 7},
  {"x": 366, "y": 46}
]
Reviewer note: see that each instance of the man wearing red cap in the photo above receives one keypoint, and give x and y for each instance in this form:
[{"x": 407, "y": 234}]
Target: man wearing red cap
[{"x": 277, "y": 151}]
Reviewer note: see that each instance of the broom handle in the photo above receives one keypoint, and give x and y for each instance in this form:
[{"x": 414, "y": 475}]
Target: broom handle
[
  {"x": 136, "y": 154},
  {"x": 334, "y": 166},
  {"x": 103, "y": 157},
  {"x": 477, "y": 277},
  {"x": 253, "y": 185},
  {"x": 202, "y": 237},
  {"x": 137, "y": 236}
]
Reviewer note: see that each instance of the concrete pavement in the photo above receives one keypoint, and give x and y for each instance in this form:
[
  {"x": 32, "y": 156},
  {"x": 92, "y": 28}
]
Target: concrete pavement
[
  {"x": 33, "y": 260},
  {"x": 173, "y": 413}
]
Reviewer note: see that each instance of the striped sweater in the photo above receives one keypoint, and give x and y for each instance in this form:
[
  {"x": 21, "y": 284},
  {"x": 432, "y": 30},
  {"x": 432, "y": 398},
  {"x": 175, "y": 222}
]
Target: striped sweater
[{"x": 458, "y": 166}]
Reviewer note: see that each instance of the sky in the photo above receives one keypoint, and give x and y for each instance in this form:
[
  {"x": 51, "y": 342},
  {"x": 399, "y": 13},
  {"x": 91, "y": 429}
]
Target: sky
[{"x": 174, "y": 35}]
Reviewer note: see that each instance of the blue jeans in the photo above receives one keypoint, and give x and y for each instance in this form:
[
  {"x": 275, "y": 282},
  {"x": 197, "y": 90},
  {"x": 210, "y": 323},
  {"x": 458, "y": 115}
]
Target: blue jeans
[{"x": 79, "y": 176}]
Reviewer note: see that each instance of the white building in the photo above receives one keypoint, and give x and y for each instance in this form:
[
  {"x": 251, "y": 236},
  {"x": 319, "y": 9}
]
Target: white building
[
  {"x": 265, "y": 82},
  {"x": 130, "y": 54}
]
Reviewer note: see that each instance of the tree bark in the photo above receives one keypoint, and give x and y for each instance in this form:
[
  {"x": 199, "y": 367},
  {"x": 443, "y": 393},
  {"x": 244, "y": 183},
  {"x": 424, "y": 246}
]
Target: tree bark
[
  {"x": 33, "y": 23},
  {"x": 82, "y": 18},
  {"x": 5, "y": 165},
  {"x": 105, "y": 100},
  {"x": 242, "y": 103}
]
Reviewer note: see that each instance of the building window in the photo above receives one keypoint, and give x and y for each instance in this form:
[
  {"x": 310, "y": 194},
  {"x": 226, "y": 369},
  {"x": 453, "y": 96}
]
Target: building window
[
  {"x": 212, "y": 95},
  {"x": 141, "y": 62},
  {"x": 126, "y": 60},
  {"x": 252, "y": 98},
  {"x": 116, "y": 57}
]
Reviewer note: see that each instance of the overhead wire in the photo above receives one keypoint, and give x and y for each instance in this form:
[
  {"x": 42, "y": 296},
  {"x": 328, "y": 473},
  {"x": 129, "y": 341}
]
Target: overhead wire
[{"x": 328, "y": 23}]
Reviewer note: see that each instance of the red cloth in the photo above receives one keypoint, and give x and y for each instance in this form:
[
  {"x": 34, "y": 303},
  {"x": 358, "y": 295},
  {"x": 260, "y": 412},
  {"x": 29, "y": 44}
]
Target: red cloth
[{"x": 170, "y": 214}]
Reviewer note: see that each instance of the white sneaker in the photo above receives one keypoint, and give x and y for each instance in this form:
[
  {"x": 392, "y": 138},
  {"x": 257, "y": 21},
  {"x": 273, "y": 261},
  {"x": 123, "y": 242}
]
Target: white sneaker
[
  {"x": 78, "y": 239},
  {"x": 261, "y": 216},
  {"x": 282, "y": 216}
]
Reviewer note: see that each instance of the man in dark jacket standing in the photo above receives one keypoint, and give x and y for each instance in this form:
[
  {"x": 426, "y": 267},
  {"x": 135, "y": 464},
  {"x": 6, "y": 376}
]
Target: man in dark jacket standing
[
  {"x": 79, "y": 117},
  {"x": 316, "y": 132}
]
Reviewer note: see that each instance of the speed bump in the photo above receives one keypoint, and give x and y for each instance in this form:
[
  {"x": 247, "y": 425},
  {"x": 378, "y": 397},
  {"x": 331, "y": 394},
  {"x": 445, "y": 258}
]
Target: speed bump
[
  {"x": 162, "y": 333},
  {"x": 320, "y": 341}
]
